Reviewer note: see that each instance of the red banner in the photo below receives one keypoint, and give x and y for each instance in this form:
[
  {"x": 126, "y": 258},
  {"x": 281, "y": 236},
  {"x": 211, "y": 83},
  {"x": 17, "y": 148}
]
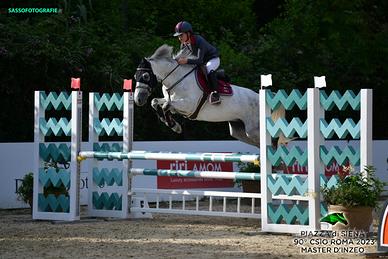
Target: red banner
[
  {"x": 330, "y": 170},
  {"x": 173, "y": 182}
]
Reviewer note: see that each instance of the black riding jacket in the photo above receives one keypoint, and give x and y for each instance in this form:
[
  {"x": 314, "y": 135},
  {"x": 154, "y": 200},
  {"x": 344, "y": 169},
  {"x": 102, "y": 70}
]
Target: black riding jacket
[{"x": 202, "y": 50}]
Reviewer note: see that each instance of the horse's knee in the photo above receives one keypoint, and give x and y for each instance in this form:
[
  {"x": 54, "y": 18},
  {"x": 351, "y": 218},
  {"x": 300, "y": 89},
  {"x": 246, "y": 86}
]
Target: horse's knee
[{"x": 155, "y": 104}]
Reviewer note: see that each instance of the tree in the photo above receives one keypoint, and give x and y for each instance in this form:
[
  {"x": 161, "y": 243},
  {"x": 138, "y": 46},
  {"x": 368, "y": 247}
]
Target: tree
[{"x": 344, "y": 40}]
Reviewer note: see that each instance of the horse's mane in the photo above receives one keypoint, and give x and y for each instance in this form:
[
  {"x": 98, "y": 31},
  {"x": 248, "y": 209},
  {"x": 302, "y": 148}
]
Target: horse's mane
[{"x": 164, "y": 51}]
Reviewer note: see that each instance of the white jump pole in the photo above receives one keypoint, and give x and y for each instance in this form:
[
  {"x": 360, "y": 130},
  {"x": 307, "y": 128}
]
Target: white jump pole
[
  {"x": 265, "y": 164},
  {"x": 128, "y": 119},
  {"x": 366, "y": 128}
]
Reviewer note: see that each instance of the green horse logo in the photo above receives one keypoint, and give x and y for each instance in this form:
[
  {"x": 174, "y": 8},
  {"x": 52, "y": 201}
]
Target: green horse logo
[{"x": 333, "y": 218}]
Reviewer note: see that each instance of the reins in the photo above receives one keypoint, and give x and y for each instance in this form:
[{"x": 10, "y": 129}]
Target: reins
[
  {"x": 177, "y": 82},
  {"x": 180, "y": 80},
  {"x": 170, "y": 73}
]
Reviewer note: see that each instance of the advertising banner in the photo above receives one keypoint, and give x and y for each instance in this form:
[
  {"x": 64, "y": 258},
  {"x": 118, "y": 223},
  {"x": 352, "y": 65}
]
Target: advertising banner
[{"x": 166, "y": 182}]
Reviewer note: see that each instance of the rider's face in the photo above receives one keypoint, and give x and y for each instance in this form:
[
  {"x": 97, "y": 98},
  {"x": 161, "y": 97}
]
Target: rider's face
[{"x": 183, "y": 37}]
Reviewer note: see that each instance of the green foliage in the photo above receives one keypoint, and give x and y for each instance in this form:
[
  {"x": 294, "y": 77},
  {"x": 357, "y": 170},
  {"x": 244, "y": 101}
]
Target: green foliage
[
  {"x": 238, "y": 65},
  {"x": 25, "y": 190},
  {"x": 248, "y": 167},
  {"x": 103, "y": 41},
  {"x": 50, "y": 188},
  {"x": 249, "y": 186},
  {"x": 356, "y": 189},
  {"x": 336, "y": 39}
]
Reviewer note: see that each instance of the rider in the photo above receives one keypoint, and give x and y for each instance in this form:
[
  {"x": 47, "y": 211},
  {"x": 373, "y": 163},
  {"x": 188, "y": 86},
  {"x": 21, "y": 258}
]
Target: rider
[{"x": 204, "y": 54}]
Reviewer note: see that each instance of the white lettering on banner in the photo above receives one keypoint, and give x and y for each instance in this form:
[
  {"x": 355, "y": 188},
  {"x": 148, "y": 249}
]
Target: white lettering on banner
[
  {"x": 332, "y": 168},
  {"x": 178, "y": 165},
  {"x": 168, "y": 182},
  {"x": 298, "y": 169},
  {"x": 217, "y": 167},
  {"x": 189, "y": 180},
  {"x": 208, "y": 167},
  {"x": 197, "y": 166}
]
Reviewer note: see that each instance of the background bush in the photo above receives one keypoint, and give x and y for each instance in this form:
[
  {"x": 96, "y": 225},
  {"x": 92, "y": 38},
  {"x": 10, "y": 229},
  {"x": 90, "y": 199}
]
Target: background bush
[{"x": 103, "y": 41}]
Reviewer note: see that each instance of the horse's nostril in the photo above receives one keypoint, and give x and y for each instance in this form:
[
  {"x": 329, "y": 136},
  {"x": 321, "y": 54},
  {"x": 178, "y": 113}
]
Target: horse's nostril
[
  {"x": 140, "y": 98},
  {"x": 139, "y": 103}
]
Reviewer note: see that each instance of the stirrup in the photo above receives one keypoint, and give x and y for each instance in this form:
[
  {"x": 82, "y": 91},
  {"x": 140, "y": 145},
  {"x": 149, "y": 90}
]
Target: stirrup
[{"x": 214, "y": 98}]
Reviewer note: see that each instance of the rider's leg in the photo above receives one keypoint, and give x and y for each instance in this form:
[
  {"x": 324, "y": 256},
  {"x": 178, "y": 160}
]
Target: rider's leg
[{"x": 211, "y": 67}]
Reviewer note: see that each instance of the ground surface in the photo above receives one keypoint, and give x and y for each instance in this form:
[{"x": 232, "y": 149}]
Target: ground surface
[{"x": 164, "y": 236}]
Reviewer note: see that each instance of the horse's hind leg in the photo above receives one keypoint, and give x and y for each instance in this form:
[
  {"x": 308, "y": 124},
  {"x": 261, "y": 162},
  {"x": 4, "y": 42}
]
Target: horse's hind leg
[
  {"x": 237, "y": 130},
  {"x": 253, "y": 134}
]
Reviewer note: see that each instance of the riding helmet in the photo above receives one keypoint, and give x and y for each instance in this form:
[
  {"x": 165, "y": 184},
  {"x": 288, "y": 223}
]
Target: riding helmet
[{"x": 182, "y": 27}]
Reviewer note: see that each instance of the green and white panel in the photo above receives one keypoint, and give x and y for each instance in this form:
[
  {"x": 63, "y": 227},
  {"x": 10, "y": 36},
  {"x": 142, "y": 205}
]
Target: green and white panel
[
  {"x": 288, "y": 200},
  {"x": 56, "y": 188},
  {"x": 108, "y": 185}
]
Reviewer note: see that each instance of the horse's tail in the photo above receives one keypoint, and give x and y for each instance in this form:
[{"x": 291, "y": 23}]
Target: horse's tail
[{"x": 277, "y": 114}]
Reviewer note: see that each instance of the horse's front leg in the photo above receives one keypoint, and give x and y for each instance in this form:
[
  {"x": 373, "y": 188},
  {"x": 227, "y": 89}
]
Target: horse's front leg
[
  {"x": 157, "y": 104},
  {"x": 164, "y": 111}
]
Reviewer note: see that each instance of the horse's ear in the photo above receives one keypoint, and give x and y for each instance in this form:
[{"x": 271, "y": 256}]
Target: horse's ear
[
  {"x": 148, "y": 60},
  {"x": 145, "y": 61}
]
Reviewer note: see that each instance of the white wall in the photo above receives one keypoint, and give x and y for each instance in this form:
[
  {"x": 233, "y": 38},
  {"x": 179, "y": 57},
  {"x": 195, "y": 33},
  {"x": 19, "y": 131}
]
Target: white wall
[{"x": 15, "y": 161}]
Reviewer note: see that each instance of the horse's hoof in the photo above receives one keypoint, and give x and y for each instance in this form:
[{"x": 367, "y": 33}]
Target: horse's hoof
[{"x": 177, "y": 128}]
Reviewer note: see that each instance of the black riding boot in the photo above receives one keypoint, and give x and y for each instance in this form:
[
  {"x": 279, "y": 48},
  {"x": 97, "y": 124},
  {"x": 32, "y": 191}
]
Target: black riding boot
[{"x": 213, "y": 84}]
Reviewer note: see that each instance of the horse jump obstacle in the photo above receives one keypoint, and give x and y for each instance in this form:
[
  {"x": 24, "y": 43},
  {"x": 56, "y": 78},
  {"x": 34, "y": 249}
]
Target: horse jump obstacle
[
  {"x": 96, "y": 103},
  {"x": 286, "y": 186}
]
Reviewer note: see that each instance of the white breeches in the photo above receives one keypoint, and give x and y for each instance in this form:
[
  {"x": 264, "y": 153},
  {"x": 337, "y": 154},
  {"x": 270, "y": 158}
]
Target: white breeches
[{"x": 212, "y": 64}]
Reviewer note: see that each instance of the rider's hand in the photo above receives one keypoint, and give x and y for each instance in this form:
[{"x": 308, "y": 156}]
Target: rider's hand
[{"x": 182, "y": 61}]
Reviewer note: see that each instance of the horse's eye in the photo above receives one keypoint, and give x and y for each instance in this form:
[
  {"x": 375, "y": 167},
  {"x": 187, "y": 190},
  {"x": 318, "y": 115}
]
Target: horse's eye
[{"x": 146, "y": 77}]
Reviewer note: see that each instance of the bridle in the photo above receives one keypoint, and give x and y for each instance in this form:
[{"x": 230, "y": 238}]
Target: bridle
[
  {"x": 148, "y": 77},
  {"x": 148, "y": 80}
]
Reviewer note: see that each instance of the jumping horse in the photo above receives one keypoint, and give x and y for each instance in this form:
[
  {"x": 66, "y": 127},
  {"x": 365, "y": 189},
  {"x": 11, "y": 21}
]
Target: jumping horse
[{"x": 183, "y": 96}]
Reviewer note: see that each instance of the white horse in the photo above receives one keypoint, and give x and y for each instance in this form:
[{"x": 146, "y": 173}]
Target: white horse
[{"x": 183, "y": 96}]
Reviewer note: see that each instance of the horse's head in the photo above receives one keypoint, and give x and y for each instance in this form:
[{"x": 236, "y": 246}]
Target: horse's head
[
  {"x": 145, "y": 82},
  {"x": 147, "y": 78}
]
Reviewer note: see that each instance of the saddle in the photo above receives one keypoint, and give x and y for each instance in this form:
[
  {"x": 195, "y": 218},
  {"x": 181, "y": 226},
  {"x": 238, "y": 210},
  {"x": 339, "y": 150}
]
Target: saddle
[{"x": 224, "y": 87}]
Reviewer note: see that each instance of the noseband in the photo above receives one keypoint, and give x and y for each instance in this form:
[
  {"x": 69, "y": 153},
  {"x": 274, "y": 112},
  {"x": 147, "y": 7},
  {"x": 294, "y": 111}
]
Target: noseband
[{"x": 145, "y": 76}]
